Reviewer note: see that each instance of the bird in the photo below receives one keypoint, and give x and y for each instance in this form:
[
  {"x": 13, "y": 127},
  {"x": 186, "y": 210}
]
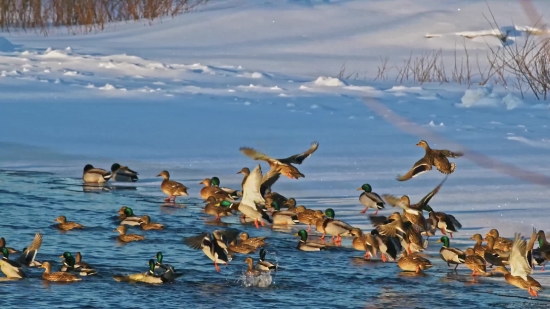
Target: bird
[
  {"x": 432, "y": 157},
  {"x": 123, "y": 237},
  {"x": 128, "y": 217},
  {"x": 330, "y": 226},
  {"x": 305, "y": 245},
  {"x": 475, "y": 262},
  {"x": 215, "y": 181},
  {"x": 299, "y": 158},
  {"x": 214, "y": 245},
  {"x": 286, "y": 169},
  {"x": 284, "y": 217},
  {"x": 146, "y": 224},
  {"x": 65, "y": 225},
  {"x": 28, "y": 255},
  {"x": 255, "y": 242},
  {"x": 170, "y": 274},
  {"x": 251, "y": 271},
  {"x": 123, "y": 173},
  {"x": 413, "y": 262},
  {"x": 3, "y": 244},
  {"x": 70, "y": 265},
  {"x": 209, "y": 190},
  {"x": 222, "y": 210},
  {"x": 451, "y": 255},
  {"x": 446, "y": 223},
  {"x": 57, "y": 276},
  {"x": 11, "y": 271},
  {"x": 92, "y": 174},
  {"x": 370, "y": 199},
  {"x": 501, "y": 243},
  {"x": 264, "y": 265},
  {"x": 171, "y": 188},
  {"x": 252, "y": 198}
]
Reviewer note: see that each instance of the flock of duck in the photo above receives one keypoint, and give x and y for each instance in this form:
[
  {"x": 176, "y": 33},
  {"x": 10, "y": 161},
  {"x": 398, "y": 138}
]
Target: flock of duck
[{"x": 397, "y": 237}]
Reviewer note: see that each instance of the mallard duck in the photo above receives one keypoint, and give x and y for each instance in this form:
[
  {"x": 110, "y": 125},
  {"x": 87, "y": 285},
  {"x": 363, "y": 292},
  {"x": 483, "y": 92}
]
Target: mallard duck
[
  {"x": 214, "y": 245},
  {"x": 129, "y": 218},
  {"x": 267, "y": 180},
  {"x": 446, "y": 223},
  {"x": 215, "y": 181},
  {"x": 241, "y": 248},
  {"x": 520, "y": 269},
  {"x": 79, "y": 263},
  {"x": 95, "y": 175},
  {"x": 123, "y": 173},
  {"x": 286, "y": 169},
  {"x": 370, "y": 199},
  {"x": 479, "y": 249},
  {"x": 475, "y": 262},
  {"x": 449, "y": 254},
  {"x": 146, "y": 224},
  {"x": 283, "y": 217},
  {"x": 310, "y": 217},
  {"x": 264, "y": 265},
  {"x": 3, "y": 244},
  {"x": 501, "y": 243},
  {"x": 149, "y": 276},
  {"x": 394, "y": 226},
  {"x": 70, "y": 265},
  {"x": 335, "y": 228},
  {"x": 250, "y": 271},
  {"x": 388, "y": 246},
  {"x": 208, "y": 190},
  {"x": 493, "y": 256},
  {"x": 271, "y": 197},
  {"x": 413, "y": 262},
  {"x": 218, "y": 209},
  {"x": 252, "y": 198},
  {"x": 364, "y": 242},
  {"x": 28, "y": 255},
  {"x": 171, "y": 188},
  {"x": 170, "y": 274},
  {"x": 11, "y": 271},
  {"x": 57, "y": 276},
  {"x": 122, "y": 229},
  {"x": 255, "y": 242},
  {"x": 305, "y": 245},
  {"x": 65, "y": 225},
  {"x": 245, "y": 171},
  {"x": 433, "y": 157},
  {"x": 541, "y": 255}
]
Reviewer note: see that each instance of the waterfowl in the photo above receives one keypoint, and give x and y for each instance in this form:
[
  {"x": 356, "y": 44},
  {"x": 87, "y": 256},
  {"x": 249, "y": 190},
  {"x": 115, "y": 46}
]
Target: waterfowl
[
  {"x": 11, "y": 271},
  {"x": 3, "y": 244},
  {"x": 149, "y": 276},
  {"x": 214, "y": 245},
  {"x": 122, "y": 229},
  {"x": 413, "y": 262},
  {"x": 286, "y": 169},
  {"x": 170, "y": 274},
  {"x": 208, "y": 190},
  {"x": 501, "y": 243},
  {"x": 475, "y": 262},
  {"x": 28, "y": 255},
  {"x": 479, "y": 249},
  {"x": 283, "y": 217},
  {"x": 388, "y": 246},
  {"x": 79, "y": 263},
  {"x": 146, "y": 224},
  {"x": 299, "y": 158},
  {"x": 57, "y": 276},
  {"x": 241, "y": 247},
  {"x": 70, "y": 265},
  {"x": 491, "y": 255},
  {"x": 446, "y": 223},
  {"x": 335, "y": 228},
  {"x": 223, "y": 210},
  {"x": 272, "y": 197},
  {"x": 252, "y": 198},
  {"x": 432, "y": 157},
  {"x": 310, "y": 217},
  {"x": 95, "y": 175},
  {"x": 123, "y": 173},
  {"x": 215, "y": 181},
  {"x": 370, "y": 199},
  {"x": 518, "y": 276},
  {"x": 128, "y": 217},
  {"x": 255, "y": 242},
  {"x": 541, "y": 255},
  {"x": 364, "y": 242},
  {"x": 264, "y": 265},
  {"x": 171, "y": 188},
  {"x": 451, "y": 255},
  {"x": 65, "y": 225},
  {"x": 305, "y": 245},
  {"x": 267, "y": 180},
  {"x": 250, "y": 271},
  {"x": 394, "y": 226},
  {"x": 245, "y": 171}
]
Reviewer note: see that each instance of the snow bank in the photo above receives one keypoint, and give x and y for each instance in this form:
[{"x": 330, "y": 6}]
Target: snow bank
[{"x": 485, "y": 97}]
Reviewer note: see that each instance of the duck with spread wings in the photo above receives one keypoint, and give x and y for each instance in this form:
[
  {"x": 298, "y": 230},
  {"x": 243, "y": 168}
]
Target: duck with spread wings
[{"x": 433, "y": 157}]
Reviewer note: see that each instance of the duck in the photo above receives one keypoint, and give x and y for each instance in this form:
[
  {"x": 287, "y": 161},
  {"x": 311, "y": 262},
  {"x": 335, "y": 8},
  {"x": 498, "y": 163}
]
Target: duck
[
  {"x": 541, "y": 255},
  {"x": 286, "y": 169},
  {"x": 79, "y": 263},
  {"x": 149, "y": 276},
  {"x": 223, "y": 210},
  {"x": 501, "y": 243},
  {"x": 364, "y": 242},
  {"x": 264, "y": 265},
  {"x": 493, "y": 256},
  {"x": 446, "y": 223},
  {"x": 123, "y": 237},
  {"x": 28, "y": 255},
  {"x": 255, "y": 242},
  {"x": 252, "y": 198},
  {"x": 65, "y": 225},
  {"x": 235, "y": 194},
  {"x": 305, "y": 245},
  {"x": 3, "y": 244},
  {"x": 241, "y": 247},
  {"x": 432, "y": 157},
  {"x": 370, "y": 199},
  {"x": 394, "y": 226},
  {"x": 11, "y": 271},
  {"x": 479, "y": 248},
  {"x": 283, "y": 217},
  {"x": 389, "y": 247},
  {"x": 268, "y": 180},
  {"x": 128, "y": 217},
  {"x": 335, "y": 228},
  {"x": 147, "y": 225},
  {"x": 208, "y": 190},
  {"x": 171, "y": 188},
  {"x": 309, "y": 216},
  {"x": 123, "y": 173},
  {"x": 413, "y": 262},
  {"x": 245, "y": 171},
  {"x": 451, "y": 255},
  {"x": 57, "y": 276},
  {"x": 519, "y": 275},
  {"x": 70, "y": 265},
  {"x": 170, "y": 274},
  {"x": 475, "y": 262},
  {"x": 92, "y": 174},
  {"x": 214, "y": 245},
  {"x": 251, "y": 271},
  {"x": 271, "y": 197}
]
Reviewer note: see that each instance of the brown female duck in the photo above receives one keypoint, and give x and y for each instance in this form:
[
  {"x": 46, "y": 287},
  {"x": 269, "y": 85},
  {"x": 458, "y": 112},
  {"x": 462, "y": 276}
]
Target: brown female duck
[
  {"x": 212, "y": 191},
  {"x": 57, "y": 276},
  {"x": 65, "y": 225},
  {"x": 501, "y": 243},
  {"x": 286, "y": 169},
  {"x": 475, "y": 262},
  {"x": 218, "y": 209},
  {"x": 146, "y": 224},
  {"x": 122, "y": 229},
  {"x": 255, "y": 242},
  {"x": 433, "y": 157},
  {"x": 171, "y": 188}
]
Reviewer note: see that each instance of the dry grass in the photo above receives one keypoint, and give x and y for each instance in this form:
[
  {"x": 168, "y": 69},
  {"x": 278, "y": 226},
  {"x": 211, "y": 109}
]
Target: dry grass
[{"x": 83, "y": 16}]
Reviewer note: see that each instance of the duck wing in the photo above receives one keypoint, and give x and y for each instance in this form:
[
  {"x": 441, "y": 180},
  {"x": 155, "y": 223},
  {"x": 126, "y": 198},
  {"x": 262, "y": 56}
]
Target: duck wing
[
  {"x": 299, "y": 158},
  {"x": 251, "y": 195},
  {"x": 449, "y": 154},
  {"x": 269, "y": 179},
  {"x": 426, "y": 199},
  {"x": 421, "y": 166},
  {"x": 196, "y": 242},
  {"x": 29, "y": 254},
  {"x": 519, "y": 266}
]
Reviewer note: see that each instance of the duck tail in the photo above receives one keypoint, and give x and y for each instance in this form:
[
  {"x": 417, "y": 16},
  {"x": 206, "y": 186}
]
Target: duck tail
[
  {"x": 380, "y": 205},
  {"x": 295, "y": 219}
]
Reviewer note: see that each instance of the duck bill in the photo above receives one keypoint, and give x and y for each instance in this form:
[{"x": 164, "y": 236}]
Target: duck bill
[
  {"x": 439, "y": 240},
  {"x": 296, "y": 234},
  {"x": 61, "y": 256},
  {"x": 158, "y": 175},
  {"x": 239, "y": 172},
  {"x": 359, "y": 189}
]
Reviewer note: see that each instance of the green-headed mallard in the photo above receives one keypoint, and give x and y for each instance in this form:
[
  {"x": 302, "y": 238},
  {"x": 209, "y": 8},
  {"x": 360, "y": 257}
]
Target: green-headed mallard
[
  {"x": 208, "y": 190},
  {"x": 413, "y": 262},
  {"x": 169, "y": 274},
  {"x": 433, "y": 157},
  {"x": 146, "y": 224},
  {"x": 171, "y": 188},
  {"x": 215, "y": 181},
  {"x": 218, "y": 209},
  {"x": 335, "y": 228},
  {"x": 305, "y": 245},
  {"x": 65, "y": 225},
  {"x": 27, "y": 256},
  {"x": 70, "y": 265},
  {"x": 541, "y": 255},
  {"x": 264, "y": 265},
  {"x": 370, "y": 199},
  {"x": 520, "y": 270},
  {"x": 214, "y": 245},
  {"x": 129, "y": 218},
  {"x": 122, "y": 229},
  {"x": 449, "y": 254},
  {"x": 283, "y": 217},
  {"x": 57, "y": 276},
  {"x": 11, "y": 271},
  {"x": 3, "y": 244},
  {"x": 123, "y": 173},
  {"x": 95, "y": 175},
  {"x": 475, "y": 262},
  {"x": 446, "y": 223},
  {"x": 252, "y": 198},
  {"x": 286, "y": 169},
  {"x": 146, "y": 277}
]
